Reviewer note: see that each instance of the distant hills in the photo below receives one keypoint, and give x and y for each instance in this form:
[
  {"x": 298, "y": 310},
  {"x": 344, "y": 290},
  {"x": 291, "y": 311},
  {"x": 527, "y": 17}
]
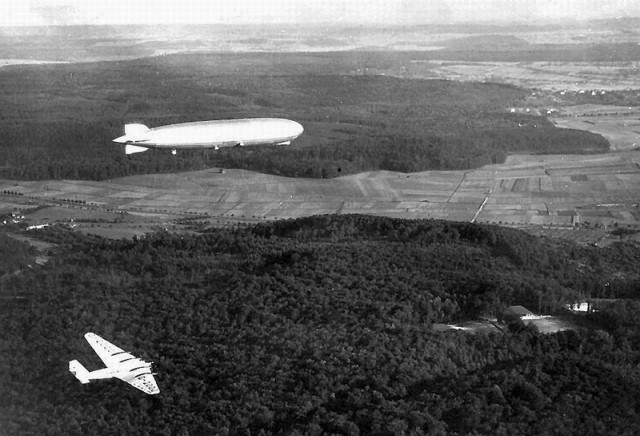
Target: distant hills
[
  {"x": 94, "y": 43},
  {"x": 486, "y": 42}
]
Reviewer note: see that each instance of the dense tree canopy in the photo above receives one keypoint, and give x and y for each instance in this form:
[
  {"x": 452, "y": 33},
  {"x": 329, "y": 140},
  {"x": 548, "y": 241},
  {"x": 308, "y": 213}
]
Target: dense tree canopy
[
  {"x": 14, "y": 254},
  {"x": 321, "y": 325}
]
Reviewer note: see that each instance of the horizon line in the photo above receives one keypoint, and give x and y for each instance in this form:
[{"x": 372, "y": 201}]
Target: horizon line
[{"x": 530, "y": 23}]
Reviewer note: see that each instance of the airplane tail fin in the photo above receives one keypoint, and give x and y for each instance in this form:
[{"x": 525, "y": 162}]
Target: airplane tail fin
[{"x": 79, "y": 371}]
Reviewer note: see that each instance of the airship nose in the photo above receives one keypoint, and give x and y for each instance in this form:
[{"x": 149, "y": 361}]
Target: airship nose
[{"x": 297, "y": 128}]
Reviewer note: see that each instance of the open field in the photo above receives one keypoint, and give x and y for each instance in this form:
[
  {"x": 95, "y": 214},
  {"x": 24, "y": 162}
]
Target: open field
[
  {"x": 571, "y": 76},
  {"x": 619, "y": 125},
  {"x": 544, "y": 324},
  {"x": 469, "y": 327},
  {"x": 551, "y": 324},
  {"x": 563, "y": 192},
  {"x": 42, "y": 248}
]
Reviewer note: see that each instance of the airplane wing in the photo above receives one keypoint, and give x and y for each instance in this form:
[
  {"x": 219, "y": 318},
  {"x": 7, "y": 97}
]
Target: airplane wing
[
  {"x": 109, "y": 353},
  {"x": 146, "y": 383}
]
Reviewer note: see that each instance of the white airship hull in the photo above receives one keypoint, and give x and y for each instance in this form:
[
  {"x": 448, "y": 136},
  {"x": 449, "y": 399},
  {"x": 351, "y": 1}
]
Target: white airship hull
[{"x": 211, "y": 134}]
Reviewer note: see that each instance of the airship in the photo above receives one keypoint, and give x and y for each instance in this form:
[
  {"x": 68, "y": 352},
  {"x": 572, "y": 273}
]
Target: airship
[{"x": 210, "y": 134}]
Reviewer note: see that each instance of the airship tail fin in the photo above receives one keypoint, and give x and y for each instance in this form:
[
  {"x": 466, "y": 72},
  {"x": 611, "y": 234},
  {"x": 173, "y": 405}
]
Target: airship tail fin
[
  {"x": 79, "y": 371},
  {"x": 133, "y": 133},
  {"x": 134, "y": 130},
  {"x": 130, "y": 149}
]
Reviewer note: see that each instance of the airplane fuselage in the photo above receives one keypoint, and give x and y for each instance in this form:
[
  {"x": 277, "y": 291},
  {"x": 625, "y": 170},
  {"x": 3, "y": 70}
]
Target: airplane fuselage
[{"x": 125, "y": 370}]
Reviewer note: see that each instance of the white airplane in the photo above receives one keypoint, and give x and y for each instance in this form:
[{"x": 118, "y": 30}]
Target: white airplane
[{"x": 120, "y": 364}]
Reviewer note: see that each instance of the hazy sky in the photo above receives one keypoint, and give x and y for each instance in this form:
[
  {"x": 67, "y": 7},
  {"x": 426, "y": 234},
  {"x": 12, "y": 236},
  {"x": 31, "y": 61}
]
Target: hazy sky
[{"x": 41, "y": 12}]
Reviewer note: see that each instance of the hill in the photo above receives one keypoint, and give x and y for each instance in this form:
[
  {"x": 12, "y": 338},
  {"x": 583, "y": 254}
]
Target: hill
[
  {"x": 321, "y": 325},
  {"x": 58, "y": 120},
  {"x": 492, "y": 42}
]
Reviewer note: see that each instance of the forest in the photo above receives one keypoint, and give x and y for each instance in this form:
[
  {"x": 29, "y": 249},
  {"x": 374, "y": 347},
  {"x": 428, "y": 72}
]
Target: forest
[
  {"x": 58, "y": 120},
  {"x": 322, "y": 325},
  {"x": 14, "y": 255}
]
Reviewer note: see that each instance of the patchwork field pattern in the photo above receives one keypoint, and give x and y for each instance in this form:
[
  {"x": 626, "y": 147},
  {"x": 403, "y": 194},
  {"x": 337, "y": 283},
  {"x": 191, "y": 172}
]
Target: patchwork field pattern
[{"x": 560, "y": 191}]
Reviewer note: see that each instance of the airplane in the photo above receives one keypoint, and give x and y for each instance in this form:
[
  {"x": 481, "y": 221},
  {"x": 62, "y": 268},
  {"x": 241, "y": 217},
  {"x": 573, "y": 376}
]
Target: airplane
[
  {"x": 120, "y": 364},
  {"x": 210, "y": 134}
]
